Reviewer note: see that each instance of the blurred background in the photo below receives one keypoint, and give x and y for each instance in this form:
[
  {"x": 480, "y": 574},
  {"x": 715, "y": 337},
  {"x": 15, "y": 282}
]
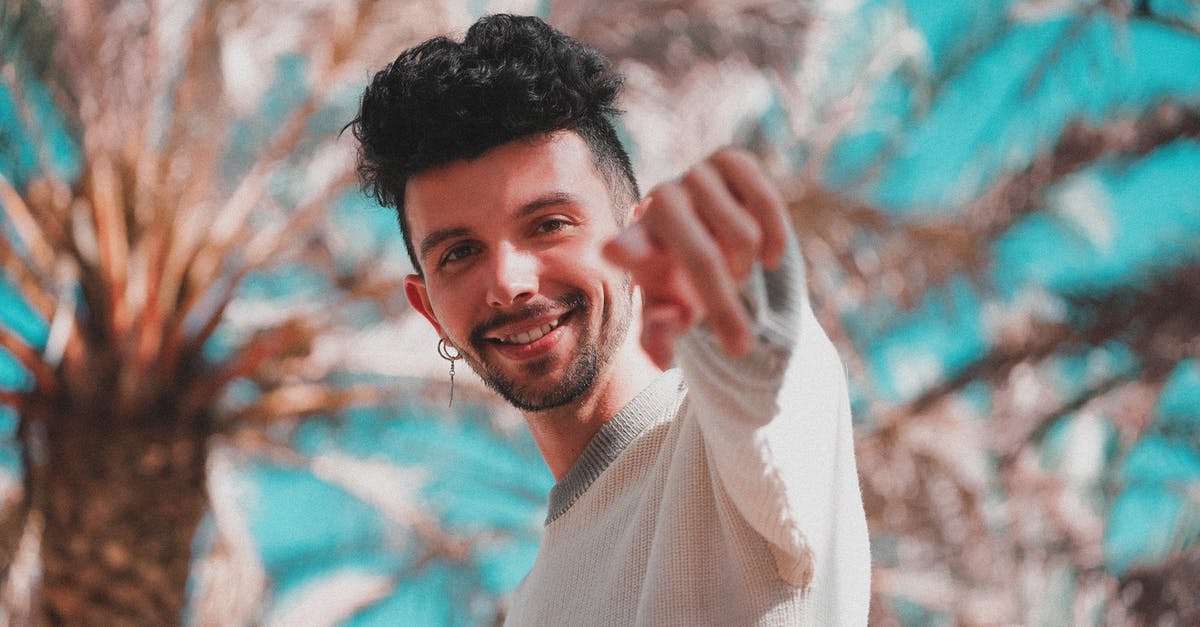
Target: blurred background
[{"x": 216, "y": 407}]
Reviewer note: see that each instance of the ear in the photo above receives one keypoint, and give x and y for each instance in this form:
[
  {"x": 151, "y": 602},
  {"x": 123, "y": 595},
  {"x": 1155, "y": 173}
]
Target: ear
[{"x": 418, "y": 297}]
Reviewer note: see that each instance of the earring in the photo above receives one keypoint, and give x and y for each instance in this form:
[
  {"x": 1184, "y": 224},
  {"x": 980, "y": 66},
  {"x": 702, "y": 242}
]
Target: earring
[{"x": 444, "y": 349}]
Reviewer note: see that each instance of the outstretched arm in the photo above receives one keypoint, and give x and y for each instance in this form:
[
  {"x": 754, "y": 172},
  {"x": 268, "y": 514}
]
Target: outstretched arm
[{"x": 724, "y": 289}]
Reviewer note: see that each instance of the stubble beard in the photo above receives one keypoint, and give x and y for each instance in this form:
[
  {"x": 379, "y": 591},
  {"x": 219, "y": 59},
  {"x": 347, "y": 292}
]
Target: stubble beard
[{"x": 537, "y": 392}]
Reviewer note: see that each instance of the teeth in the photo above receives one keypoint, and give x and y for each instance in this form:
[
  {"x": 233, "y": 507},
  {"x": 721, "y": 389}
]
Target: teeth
[{"x": 530, "y": 336}]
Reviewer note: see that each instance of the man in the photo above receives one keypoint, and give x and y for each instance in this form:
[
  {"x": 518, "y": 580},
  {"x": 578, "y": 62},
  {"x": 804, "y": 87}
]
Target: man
[{"x": 723, "y": 492}]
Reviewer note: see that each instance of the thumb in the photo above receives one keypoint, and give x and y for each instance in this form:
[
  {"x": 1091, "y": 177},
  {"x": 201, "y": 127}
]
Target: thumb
[{"x": 661, "y": 325}]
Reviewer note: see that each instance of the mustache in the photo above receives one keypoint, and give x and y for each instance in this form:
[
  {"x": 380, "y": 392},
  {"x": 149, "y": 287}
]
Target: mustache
[{"x": 568, "y": 302}]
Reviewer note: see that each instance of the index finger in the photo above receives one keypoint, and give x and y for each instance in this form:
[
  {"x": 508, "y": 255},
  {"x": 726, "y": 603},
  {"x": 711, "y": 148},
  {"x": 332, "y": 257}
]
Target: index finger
[{"x": 758, "y": 194}]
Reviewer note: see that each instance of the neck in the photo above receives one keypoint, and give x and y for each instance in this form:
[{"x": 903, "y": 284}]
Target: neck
[{"x": 562, "y": 433}]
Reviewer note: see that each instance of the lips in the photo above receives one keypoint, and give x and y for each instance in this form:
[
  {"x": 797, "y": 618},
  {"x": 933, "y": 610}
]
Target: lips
[
  {"x": 532, "y": 335},
  {"x": 531, "y": 331},
  {"x": 528, "y": 339}
]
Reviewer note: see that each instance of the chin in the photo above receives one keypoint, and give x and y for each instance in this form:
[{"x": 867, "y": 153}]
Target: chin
[{"x": 548, "y": 392}]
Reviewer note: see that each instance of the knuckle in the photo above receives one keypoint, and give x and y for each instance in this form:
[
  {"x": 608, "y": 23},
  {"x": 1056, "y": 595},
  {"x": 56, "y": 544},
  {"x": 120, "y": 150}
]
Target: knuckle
[
  {"x": 701, "y": 176},
  {"x": 668, "y": 200},
  {"x": 703, "y": 256},
  {"x": 666, "y": 191},
  {"x": 734, "y": 154},
  {"x": 694, "y": 178},
  {"x": 745, "y": 233},
  {"x": 663, "y": 205}
]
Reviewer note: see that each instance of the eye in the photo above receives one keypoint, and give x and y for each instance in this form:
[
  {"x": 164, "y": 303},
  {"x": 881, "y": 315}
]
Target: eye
[
  {"x": 456, "y": 253},
  {"x": 551, "y": 225}
]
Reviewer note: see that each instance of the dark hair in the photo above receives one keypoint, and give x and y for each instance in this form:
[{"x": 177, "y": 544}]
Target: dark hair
[{"x": 511, "y": 78}]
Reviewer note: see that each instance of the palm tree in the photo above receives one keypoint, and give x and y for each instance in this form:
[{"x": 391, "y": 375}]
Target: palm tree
[{"x": 188, "y": 180}]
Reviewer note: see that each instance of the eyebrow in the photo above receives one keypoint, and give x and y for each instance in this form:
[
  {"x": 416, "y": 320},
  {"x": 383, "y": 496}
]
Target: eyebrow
[
  {"x": 547, "y": 200},
  {"x": 434, "y": 239},
  {"x": 431, "y": 241}
]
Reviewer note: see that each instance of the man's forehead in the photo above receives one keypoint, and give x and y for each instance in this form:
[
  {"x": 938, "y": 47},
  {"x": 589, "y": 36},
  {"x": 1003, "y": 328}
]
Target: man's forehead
[{"x": 507, "y": 181}]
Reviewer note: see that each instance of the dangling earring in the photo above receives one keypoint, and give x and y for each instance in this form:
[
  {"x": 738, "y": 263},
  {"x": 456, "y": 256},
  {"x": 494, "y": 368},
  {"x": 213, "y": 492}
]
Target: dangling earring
[{"x": 444, "y": 349}]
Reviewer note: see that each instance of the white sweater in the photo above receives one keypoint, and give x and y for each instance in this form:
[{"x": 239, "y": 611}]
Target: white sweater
[{"x": 724, "y": 494}]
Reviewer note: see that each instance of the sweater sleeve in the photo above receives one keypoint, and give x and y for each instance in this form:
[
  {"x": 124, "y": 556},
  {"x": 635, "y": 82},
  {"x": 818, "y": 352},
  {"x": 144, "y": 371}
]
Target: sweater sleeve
[{"x": 776, "y": 423}]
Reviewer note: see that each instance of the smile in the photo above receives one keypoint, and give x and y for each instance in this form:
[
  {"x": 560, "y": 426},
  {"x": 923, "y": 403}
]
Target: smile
[
  {"x": 528, "y": 334},
  {"x": 531, "y": 335}
]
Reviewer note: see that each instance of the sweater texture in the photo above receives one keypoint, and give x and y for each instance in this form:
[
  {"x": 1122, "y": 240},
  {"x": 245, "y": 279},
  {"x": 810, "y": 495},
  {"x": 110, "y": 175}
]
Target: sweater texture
[{"x": 724, "y": 494}]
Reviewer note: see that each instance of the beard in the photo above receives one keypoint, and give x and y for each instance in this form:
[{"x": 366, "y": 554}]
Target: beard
[{"x": 537, "y": 390}]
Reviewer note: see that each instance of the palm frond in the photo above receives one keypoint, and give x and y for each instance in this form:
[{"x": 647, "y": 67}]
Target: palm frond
[
  {"x": 44, "y": 378},
  {"x": 28, "y": 229}
]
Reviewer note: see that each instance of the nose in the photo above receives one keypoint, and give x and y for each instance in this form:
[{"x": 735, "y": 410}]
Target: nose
[{"x": 514, "y": 277}]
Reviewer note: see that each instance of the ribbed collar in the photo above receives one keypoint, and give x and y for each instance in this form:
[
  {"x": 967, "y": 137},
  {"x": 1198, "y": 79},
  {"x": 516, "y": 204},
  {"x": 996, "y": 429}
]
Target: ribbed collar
[{"x": 645, "y": 409}]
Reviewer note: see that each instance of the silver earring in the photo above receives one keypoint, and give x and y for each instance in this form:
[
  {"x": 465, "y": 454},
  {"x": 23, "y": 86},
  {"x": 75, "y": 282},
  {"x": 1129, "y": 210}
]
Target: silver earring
[{"x": 444, "y": 349}]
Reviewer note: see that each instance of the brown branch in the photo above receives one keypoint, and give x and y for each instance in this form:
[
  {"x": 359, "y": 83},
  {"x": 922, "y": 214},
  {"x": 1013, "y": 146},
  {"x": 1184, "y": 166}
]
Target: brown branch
[
  {"x": 8, "y": 71},
  {"x": 14, "y": 513},
  {"x": 1145, "y": 13},
  {"x": 176, "y": 181},
  {"x": 261, "y": 252},
  {"x": 49, "y": 199},
  {"x": 43, "y": 375},
  {"x": 909, "y": 258},
  {"x": 197, "y": 87},
  {"x": 252, "y": 186},
  {"x": 267, "y": 250},
  {"x": 33, "y": 288},
  {"x": 203, "y": 265},
  {"x": 1165, "y": 592},
  {"x": 189, "y": 159},
  {"x": 14, "y": 400},
  {"x": 1077, "y": 147},
  {"x": 767, "y": 34},
  {"x": 1013, "y": 444},
  {"x": 1139, "y": 317},
  {"x": 108, "y": 215},
  {"x": 268, "y": 245},
  {"x": 1071, "y": 35},
  {"x": 27, "y": 228},
  {"x": 293, "y": 336}
]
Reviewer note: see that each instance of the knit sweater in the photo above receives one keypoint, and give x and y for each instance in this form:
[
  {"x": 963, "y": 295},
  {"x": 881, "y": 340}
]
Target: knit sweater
[{"x": 725, "y": 493}]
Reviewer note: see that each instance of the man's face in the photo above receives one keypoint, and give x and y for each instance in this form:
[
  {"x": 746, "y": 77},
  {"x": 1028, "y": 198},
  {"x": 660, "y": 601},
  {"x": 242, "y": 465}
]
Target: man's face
[{"x": 510, "y": 247}]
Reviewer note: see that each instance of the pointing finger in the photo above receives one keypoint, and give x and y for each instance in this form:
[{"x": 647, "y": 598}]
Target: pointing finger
[
  {"x": 736, "y": 231},
  {"x": 694, "y": 249},
  {"x": 754, "y": 189}
]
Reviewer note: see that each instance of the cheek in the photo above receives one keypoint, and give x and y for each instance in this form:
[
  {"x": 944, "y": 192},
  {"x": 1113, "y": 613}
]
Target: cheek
[
  {"x": 450, "y": 307},
  {"x": 581, "y": 259},
  {"x": 578, "y": 273}
]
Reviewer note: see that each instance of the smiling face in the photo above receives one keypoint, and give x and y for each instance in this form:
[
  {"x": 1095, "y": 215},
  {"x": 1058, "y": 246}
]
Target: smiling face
[{"x": 509, "y": 244}]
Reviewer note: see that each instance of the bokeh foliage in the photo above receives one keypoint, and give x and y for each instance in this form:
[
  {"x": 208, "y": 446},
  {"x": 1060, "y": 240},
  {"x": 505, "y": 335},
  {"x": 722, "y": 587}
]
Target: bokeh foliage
[{"x": 996, "y": 201}]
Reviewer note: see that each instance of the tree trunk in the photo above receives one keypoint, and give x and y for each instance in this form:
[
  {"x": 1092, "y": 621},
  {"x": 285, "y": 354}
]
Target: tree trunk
[{"x": 120, "y": 500}]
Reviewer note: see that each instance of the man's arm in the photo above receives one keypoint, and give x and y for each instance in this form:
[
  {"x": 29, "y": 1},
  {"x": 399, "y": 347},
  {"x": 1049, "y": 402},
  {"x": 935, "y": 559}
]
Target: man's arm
[{"x": 765, "y": 384}]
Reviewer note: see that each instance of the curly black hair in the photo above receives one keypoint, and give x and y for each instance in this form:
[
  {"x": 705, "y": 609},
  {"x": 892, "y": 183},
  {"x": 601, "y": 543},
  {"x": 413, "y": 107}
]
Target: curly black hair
[{"x": 511, "y": 78}]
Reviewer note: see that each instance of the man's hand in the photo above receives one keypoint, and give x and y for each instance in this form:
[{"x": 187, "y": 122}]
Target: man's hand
[{"x": 692, "y": 244}]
